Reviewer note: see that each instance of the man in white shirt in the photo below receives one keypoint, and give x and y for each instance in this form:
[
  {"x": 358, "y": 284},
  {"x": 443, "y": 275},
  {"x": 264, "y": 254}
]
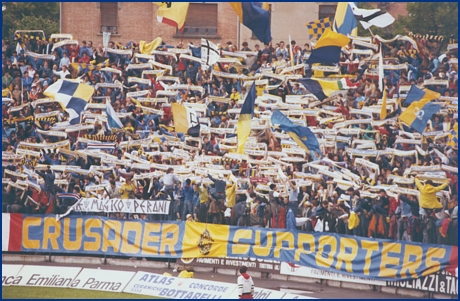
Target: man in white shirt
[{"x": 62, "y": 74}]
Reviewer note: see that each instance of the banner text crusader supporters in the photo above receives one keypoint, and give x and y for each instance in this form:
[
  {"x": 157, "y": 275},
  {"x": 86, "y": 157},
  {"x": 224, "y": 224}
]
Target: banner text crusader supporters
[{"x": 367, "y": 258}]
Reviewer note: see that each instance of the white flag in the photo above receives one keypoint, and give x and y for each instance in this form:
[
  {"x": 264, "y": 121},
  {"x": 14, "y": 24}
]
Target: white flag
[
  {"x": 209, "y": 52},
  {"x": 369, "y": 17}
]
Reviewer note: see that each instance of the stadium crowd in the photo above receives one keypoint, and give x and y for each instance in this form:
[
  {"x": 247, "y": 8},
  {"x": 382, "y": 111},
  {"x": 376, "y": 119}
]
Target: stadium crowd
[{"x": 351, "y": 188}]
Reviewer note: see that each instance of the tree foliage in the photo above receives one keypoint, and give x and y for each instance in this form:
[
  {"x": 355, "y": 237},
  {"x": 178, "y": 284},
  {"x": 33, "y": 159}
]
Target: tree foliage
[
  {"x": 433, "y": 18},
  {"x": 30, "y": 16}
]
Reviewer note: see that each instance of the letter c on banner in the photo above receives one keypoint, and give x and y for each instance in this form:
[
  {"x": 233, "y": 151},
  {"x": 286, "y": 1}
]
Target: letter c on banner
[
  {"x": 322, "y": 242},
  {"x": 28, "y": 243}
]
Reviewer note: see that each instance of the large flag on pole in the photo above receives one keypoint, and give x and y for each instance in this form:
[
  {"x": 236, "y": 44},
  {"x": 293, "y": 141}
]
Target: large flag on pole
[
  {"x": 302, "y": 135},
  {"x": 328, "y": 47},
  {"x": 255, "y": 18},
  {"x": 112, "y": 119},
  {"x": 416, "y": 94},
  {"x": 344, "y": 20},
  {"x": 185, "y": 119},
  {"x": 369, "y": 17},
  {"x": 418, "y": 114},
  {"x": 323, "y": 89},
  {"x": 172, "y": 13},
  {"x": 245, "y": 118},
  {"x": 72, "y": 96}
]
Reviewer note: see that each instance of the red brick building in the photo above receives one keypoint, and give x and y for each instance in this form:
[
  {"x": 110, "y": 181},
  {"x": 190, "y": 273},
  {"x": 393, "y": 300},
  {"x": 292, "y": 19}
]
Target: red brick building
[{"x": 137, "y": 21}]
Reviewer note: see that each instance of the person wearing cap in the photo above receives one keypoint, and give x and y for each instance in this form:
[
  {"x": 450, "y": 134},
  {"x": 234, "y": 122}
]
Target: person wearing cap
[{"x": 189, "y": 218}]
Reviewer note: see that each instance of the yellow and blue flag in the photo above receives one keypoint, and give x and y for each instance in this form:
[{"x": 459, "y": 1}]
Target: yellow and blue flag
[
  {"x": 245, "y": 118},
  {"x": 345, "y": 21},
  {"x": 416, "y": 94},
  {"x": 453, "y": 137},
  {"x": 302, "y": 135},
  {"x": 328, "y": 47},
  {"x": 72, "y": 96},
  {"x": 255, "y": 18},
  {"x": 323, "y": 89},
  {"x": 317, "y": 28},
  {"x": 418, "y": 114},
  {"x": 172, "y": 13}
]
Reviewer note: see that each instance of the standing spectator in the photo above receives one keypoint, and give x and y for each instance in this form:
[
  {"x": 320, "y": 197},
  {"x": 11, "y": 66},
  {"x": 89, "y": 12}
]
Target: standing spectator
[
  {"x": 187, "y": 193},
  {"x": 245, "y": 284},
  {"x": 169, "y": 180}
]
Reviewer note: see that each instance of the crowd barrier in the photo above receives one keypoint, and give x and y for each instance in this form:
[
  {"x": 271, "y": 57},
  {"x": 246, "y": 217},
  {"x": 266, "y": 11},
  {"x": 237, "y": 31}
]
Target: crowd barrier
[
  {"x": 367, "y": 258},
  {"x": 140, "y": 282}
]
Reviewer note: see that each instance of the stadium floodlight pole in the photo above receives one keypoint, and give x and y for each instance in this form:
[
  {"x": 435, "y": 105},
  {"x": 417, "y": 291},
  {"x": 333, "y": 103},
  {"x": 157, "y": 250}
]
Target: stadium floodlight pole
[{"x": 60, "y": 17}]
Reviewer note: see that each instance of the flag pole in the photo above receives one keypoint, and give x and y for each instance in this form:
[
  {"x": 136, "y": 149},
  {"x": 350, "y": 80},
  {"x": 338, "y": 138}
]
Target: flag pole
[{"x": 290, "y": 51}]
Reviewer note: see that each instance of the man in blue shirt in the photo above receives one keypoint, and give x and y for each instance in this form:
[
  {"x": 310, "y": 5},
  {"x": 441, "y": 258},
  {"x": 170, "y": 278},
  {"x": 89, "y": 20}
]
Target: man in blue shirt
[{"x": 187, "y": 192}]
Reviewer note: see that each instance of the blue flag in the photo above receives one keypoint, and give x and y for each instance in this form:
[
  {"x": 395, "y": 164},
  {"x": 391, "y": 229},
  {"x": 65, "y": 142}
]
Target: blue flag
[{"x": 302, "y": 135}]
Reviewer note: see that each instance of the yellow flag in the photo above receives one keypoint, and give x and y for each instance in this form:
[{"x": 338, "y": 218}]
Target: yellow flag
[
  {"x": 383, "y": 110},
  {"x": 172, "y": 13}
]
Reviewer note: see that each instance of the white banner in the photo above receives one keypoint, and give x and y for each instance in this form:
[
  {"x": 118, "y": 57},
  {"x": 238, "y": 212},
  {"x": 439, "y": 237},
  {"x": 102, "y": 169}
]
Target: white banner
[
  {"x": 102, "y": 280},
  {"x": 9, "y": 272},
  {"x": 121, "y": 205},
  {"x": 297, "y": 270},
  {"x": 46, "y": 276},
  {"x": 169, "y": 287}
]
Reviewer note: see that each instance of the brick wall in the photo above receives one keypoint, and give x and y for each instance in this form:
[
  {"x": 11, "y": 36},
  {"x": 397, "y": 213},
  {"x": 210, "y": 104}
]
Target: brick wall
[{"x": 137, "y": 21}]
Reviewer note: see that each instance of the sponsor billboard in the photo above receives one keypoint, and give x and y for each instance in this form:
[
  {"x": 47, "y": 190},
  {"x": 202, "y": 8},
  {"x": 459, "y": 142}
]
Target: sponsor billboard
[
  {"x": 254, "y": 264},
  {"x": 169, "y": 287},
  {"x": 9, "y": 272},
  {"x": 45, "y": 276},
  {"x": 441, "y": 282},
  {"x": 301, "y": 271},
  {"x": 102, "y": 280}
]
